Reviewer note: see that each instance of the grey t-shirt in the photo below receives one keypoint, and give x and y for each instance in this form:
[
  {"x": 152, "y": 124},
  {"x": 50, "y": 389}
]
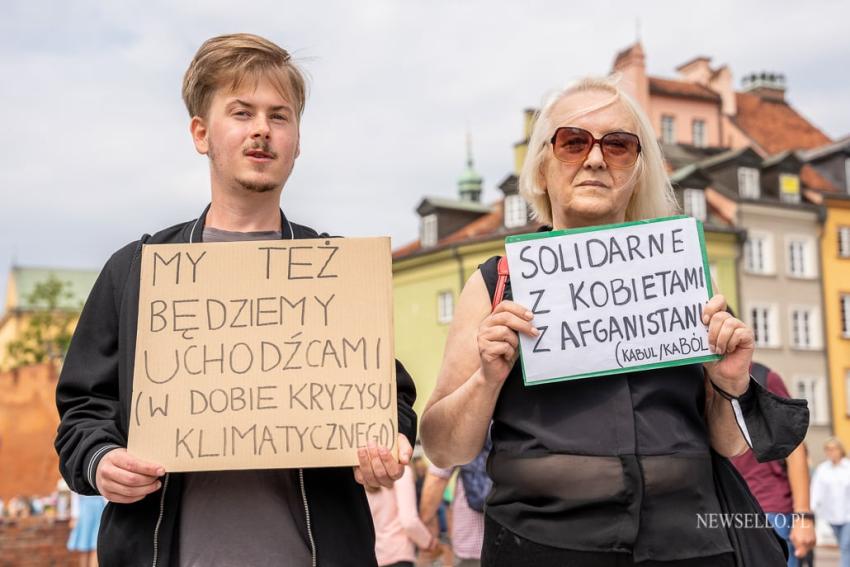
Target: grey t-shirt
[{"x": 243, "y": 518}]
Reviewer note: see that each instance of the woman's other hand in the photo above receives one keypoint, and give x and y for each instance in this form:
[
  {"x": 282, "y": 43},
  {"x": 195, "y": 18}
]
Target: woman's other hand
[{"x": 732, "y": 339}]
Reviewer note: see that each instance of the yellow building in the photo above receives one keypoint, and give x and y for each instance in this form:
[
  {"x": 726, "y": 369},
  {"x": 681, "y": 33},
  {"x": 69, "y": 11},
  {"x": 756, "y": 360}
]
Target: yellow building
[
  {"x": 18, "y": 309},
  {"x": 835, "y": 260}
]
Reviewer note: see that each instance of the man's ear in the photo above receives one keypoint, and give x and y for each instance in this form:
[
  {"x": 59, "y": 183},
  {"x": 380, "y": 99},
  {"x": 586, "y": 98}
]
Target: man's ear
[
  {"x": 198, "y": 129},
  {"x": 298, "y": 145}
]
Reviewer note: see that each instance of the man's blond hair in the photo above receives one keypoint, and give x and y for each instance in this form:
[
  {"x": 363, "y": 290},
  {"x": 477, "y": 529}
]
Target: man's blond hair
[{"x": 227, "y": 61}]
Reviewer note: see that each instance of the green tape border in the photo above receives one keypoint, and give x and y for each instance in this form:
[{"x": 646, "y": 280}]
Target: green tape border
[{"x": 681, "y": 362}]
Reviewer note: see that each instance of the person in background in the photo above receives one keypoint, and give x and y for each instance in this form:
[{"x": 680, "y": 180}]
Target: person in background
[
  {"x": 398, "y": 529},
  {"x": 467, "y": 525},
  {"x": 85, "y": 523},
  {"x": 831, "y": 494},
  {"x": 781, "y": 487}
]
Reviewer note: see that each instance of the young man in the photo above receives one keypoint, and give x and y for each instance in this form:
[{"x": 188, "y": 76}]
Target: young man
[{"x": 245, "y": 98}]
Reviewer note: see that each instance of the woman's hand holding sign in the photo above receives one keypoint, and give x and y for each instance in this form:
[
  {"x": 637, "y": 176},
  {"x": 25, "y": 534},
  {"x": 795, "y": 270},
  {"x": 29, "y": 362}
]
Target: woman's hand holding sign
[
  {"x": 731, "y": 338},
  {"x": 498, "y": 343}
]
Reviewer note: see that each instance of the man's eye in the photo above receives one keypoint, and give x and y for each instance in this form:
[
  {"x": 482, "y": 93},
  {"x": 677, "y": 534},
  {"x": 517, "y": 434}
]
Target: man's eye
[
  {"x": 279, "y": 117},
  {"x": 242, "y": 113}
]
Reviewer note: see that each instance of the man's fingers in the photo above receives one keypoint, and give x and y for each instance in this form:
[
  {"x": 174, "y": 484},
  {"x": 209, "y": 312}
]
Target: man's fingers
[
  {"x": 394, "y": 468},
  {"x": 128, "y": 462},
  {"x": 123, "y": 494},
  {"x": 378, "y": 468},
  {"x": 365, "y": 469},
  {"x": 405, "y": 451},
  {"x": 127, "y": 478},
  {"x": 358, "y": 476}
]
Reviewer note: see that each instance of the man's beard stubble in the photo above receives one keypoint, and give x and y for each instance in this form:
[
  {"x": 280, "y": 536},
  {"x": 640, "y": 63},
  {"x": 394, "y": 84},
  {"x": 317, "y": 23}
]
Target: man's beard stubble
[{"x": 246, "y": 185}]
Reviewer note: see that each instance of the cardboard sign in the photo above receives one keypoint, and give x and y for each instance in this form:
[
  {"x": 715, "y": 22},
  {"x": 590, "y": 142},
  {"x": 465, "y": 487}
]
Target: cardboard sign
[
  {"x": 612, "y": 299},
  {"x": 264, "y": 354}
]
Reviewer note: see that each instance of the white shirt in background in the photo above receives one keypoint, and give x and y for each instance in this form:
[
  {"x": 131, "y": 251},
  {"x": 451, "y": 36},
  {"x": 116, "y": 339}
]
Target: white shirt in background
[{"x": 831, "y": 492}]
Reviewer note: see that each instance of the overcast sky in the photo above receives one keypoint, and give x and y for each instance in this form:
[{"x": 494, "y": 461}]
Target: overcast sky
[{"x": 94, "y": 144}]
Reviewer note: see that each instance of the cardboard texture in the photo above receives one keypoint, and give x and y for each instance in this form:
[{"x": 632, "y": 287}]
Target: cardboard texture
[
  {"x": 264, "y": 354},
  {"x": 612, "y": 299}
]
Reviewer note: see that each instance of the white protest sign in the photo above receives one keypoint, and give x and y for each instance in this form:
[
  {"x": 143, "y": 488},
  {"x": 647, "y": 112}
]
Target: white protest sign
[
  {"x": 264, "y": 354},
  {"x": 612, "y": 299}
]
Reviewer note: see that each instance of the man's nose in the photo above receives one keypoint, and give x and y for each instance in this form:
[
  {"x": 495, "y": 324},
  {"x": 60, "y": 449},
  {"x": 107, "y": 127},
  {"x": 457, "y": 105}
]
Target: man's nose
[{"x": 261, "y": 127}]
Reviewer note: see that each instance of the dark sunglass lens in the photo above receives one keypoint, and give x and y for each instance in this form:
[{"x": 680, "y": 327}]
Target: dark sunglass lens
[
  {"x": 571, "y": 143},
  {"x": 620, "y": 148}
]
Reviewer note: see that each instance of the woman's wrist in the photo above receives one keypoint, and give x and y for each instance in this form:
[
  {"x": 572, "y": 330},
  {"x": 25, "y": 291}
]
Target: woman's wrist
[{"x": 732, "y": 392}]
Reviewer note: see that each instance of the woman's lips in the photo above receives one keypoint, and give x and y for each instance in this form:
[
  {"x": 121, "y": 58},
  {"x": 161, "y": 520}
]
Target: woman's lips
[{"x": 592, "y": 183}]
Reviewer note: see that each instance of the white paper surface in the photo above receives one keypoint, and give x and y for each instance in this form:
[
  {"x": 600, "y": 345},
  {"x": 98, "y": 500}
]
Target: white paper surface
[{"x": 612, "y": 300}]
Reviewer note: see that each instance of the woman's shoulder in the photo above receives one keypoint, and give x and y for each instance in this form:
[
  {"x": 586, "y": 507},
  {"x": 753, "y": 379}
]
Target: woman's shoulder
[{"x": 490, "y": 273}]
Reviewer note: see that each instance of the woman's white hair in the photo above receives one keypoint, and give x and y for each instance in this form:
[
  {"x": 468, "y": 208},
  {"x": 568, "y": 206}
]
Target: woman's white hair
[{"x": 653, "y": 195}]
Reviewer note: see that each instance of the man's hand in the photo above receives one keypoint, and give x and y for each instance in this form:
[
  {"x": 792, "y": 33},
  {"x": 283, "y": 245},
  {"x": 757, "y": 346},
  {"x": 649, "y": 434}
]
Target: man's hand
[
  {"x": 378, "y": 467},
  {"x": 803, "y": 537},
  {"x": 124, "y": 479}
]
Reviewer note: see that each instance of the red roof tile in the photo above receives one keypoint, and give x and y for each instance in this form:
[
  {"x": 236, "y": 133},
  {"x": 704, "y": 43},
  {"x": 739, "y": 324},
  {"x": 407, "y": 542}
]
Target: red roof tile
[
  {"x": 775, "y": 126},
  {"x": 672, "y": 87}
]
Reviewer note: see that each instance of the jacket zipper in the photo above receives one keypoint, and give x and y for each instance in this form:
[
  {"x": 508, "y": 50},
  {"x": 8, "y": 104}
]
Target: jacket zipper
[
  {"x": 307, "y": 514},
  {"x": 159, "y": 521}
]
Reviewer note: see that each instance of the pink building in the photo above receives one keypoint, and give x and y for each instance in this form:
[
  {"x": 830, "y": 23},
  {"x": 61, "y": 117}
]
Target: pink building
[{"x": 701, "y": 108}]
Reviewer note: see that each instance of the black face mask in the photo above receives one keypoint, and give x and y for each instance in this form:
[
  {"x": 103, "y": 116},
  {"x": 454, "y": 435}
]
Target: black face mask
[{"x": 776, "y": 425}]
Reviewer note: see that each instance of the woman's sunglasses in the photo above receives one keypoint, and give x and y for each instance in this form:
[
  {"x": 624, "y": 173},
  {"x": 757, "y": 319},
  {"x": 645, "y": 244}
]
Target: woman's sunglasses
[{"x": 573, "y": 145}]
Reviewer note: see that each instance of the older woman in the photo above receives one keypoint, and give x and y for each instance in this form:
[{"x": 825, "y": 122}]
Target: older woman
[{"x": 604, "y": 471}]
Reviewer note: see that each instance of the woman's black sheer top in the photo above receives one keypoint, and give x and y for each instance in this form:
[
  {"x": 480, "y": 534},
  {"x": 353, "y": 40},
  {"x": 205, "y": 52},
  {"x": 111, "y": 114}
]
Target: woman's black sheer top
[{"x": 617, "y": 463}]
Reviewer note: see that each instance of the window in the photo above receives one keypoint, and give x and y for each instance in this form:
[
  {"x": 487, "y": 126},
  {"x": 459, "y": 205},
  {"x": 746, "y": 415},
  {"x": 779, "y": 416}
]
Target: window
[
  {"x": 845, "y": 315},
  {"x": 694, "y": 203},
  {"x": 516, "y": 212},
  {"x": 445, "y": 307},
  {"x": 429, "y": 231},
  {"x": 699, "y": 133},
  {"x": 763, "y": 323},
  {"x": 748, "y": 183},
  {"x": 789, "y": 188},
  {"x": 814, "y": 391},
  {"x": 668, "y": 129},
  {"x": 801, "y": 258},
  {"x": 844, "y": 241},
  {"x": 805, "y": 328},
  {"x": 758, "y": 253}
]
